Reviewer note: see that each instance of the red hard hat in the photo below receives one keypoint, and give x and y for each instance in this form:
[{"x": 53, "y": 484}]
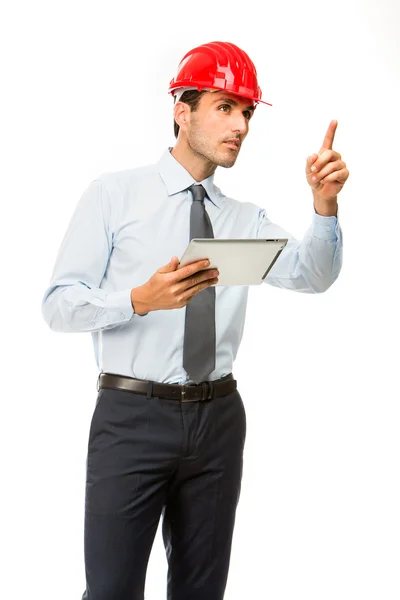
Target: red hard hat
[{"x": 220, "y": 66}]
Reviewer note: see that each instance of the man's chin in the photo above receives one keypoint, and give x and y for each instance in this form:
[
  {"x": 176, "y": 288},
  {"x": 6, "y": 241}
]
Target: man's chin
[{"x": 226, "y": 161}]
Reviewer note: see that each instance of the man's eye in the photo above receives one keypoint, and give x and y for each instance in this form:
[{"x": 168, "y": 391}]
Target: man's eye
[
  {"x": 247, "y": 114},
  {"x": 224, "y": 106}
]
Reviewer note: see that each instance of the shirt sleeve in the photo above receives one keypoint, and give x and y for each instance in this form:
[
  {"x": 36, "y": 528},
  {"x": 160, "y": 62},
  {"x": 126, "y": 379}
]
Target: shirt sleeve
[
  {"x": 73, "y": 301},
  {"x": 310, "y": 265}
]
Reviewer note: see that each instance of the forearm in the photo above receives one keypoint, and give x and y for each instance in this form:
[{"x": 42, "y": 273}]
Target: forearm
[
  {"x": 312, "y": 264},
  {"x": 78, "y": 308}
]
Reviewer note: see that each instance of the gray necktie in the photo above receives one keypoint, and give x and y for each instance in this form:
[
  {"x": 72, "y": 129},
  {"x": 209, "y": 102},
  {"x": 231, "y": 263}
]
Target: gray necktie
[{"x": 199, "y": 337}]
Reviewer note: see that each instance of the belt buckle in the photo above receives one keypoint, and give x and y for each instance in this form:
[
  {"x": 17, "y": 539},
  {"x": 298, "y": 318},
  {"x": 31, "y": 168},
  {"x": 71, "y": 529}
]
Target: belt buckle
[
  {"x": 207, "y": 388},
  {"x": 183, "y": 392},
  {"x": 183, "y": 395}
]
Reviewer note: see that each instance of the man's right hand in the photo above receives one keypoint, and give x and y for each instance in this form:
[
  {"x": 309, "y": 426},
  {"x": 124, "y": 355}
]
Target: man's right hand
[{"x": 172, "y": 286}]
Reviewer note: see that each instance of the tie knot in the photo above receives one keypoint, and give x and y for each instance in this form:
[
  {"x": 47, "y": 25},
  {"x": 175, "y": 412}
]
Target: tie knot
[{"x": 198, "y": 192}]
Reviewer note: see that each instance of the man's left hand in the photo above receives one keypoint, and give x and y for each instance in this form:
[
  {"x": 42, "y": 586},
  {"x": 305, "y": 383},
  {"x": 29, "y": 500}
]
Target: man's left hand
[{"x": 326, "y": 173}]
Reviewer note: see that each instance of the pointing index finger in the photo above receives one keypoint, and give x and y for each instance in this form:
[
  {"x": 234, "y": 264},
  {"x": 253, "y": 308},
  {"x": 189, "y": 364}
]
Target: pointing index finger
[{"x": 330, "y": 134}]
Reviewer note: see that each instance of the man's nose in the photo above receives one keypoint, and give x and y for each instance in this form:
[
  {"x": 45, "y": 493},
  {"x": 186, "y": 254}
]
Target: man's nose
[{"x": 239, "y": 123}]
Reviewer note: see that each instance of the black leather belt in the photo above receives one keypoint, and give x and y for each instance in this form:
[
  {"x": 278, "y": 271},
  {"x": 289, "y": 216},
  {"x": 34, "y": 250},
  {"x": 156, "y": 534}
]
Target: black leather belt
[{"x": 185, "y": 393}]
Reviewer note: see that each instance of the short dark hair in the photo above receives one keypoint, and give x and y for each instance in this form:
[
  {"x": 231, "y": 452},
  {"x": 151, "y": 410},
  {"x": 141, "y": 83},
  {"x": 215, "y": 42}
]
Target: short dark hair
[{"x": 191, "y": 97}]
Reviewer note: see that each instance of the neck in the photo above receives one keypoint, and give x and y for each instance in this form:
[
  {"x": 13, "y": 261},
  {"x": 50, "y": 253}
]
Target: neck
[{"x": 197, "y": 165}]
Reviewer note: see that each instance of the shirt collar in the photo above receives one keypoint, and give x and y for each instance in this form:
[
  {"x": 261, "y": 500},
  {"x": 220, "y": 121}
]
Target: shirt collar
[{"x": 177, "y": 179}]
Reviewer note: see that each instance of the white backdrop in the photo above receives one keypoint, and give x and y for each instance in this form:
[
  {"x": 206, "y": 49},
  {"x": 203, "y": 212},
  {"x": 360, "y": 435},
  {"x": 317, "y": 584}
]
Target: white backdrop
[{"x": 85, "y": 92}]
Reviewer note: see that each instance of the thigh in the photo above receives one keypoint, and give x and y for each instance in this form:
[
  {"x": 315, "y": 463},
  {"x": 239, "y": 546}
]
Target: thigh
[
  {"x": 199, "y": 517},
  {"x": 129, "y": 461}
]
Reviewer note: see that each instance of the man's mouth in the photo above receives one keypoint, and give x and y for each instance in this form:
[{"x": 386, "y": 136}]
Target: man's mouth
[{"x": 234, "y": 144}]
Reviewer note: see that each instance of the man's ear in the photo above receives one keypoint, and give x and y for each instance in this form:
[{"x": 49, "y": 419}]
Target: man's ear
[{"x": 181, "y": 114}]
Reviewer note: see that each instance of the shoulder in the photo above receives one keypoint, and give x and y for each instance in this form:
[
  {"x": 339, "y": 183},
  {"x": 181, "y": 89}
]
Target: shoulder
[
  {"x": 116, "y": 182},
  {"x": 244, "y": 208},
  {"x": 115, "y": 191}
]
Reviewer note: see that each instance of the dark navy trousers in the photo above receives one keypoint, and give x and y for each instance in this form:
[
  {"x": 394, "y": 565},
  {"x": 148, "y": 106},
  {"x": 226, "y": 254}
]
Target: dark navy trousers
[{"x": 151, "y": 457}]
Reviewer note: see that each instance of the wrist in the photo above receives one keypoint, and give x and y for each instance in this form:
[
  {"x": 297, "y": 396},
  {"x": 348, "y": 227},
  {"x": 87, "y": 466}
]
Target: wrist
[
  {"x": 139, "y": 301},
  {"x": 325, "y": 208}
]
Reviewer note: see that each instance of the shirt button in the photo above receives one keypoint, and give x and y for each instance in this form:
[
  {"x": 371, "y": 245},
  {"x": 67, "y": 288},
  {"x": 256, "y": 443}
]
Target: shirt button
[
  {"x": 328, "y": 228},
  {"x": 122, "y": 316}
]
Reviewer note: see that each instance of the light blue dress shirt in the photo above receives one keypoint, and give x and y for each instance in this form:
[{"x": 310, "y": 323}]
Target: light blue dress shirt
[{"x": 130, "y": 223}]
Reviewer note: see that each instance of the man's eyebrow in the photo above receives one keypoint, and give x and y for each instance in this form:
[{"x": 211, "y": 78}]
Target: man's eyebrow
[{"x": 232, "y": 103}]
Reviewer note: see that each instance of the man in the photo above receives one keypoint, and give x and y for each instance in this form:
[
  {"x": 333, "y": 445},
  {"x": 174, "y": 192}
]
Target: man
[{"x": 168, "y": 430}]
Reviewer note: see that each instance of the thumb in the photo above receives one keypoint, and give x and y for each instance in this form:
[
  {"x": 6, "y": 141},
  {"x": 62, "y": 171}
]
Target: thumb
[{"x": 171, "y": 266}]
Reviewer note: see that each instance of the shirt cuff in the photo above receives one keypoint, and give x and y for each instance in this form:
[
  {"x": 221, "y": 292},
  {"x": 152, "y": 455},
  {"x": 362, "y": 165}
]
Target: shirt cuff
[
  {"x": 325, "y": 228},
  {"x": 120, "y": 301}
]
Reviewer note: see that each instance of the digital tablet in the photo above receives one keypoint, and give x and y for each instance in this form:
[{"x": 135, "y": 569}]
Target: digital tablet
[{"x": 239, "y": 261}]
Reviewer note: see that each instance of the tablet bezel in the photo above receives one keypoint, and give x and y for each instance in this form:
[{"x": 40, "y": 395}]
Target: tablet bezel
[{"x": 194, "y": 253}]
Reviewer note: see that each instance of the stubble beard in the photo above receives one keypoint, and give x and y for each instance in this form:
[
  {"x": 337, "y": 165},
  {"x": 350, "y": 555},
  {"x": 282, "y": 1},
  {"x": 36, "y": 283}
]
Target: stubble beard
[{"x": 201, "y": 145}]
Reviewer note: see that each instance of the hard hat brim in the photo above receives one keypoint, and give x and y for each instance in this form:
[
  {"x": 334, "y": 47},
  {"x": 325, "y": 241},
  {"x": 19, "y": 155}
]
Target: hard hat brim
[{"x": 243, "y": 92}]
